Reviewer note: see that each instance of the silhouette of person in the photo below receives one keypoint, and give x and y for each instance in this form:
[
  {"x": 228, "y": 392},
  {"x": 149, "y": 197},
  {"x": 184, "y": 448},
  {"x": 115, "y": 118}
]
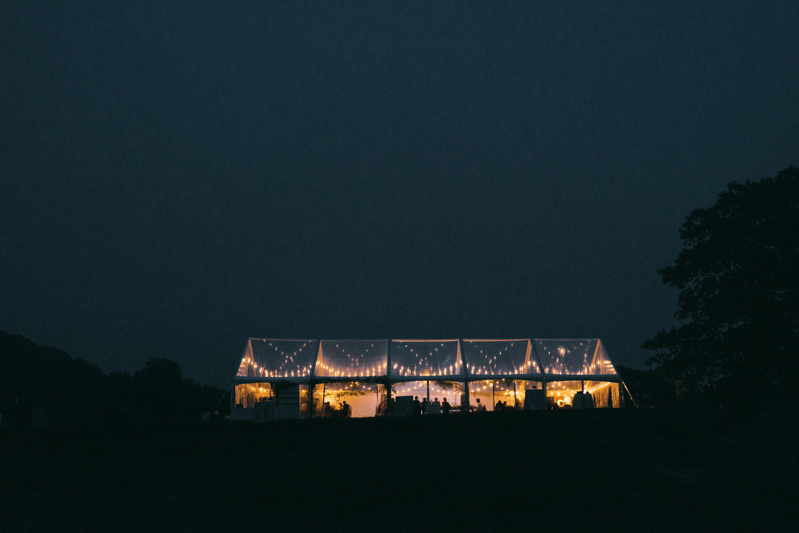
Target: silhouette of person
[
  {"x": 478, "y": 408},
  {"x": 445, "y": 406},
  {"x": 345, "y": 409},
  {"x": 435, "y": 407},
  {"x": 577, "y": 400},
  {"x": 425, "y": 403},
  {"x": 417, "y": 407},
  {"x": 498, "y": 407}
]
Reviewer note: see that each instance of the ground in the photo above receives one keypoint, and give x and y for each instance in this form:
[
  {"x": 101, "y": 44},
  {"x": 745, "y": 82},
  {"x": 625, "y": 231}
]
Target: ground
[{"x": 599, "y": 470}]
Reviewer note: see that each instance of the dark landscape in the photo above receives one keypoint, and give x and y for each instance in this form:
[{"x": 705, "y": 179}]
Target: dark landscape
[
  {"x": 130, "y": 453},
  {"x": 602, "y": 470}
]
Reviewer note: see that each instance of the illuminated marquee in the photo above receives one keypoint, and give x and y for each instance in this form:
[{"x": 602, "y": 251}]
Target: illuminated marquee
[{"x": 492, "y": 373}]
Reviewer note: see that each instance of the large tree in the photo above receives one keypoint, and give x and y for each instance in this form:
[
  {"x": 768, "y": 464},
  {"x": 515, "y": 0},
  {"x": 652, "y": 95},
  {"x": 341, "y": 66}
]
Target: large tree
[{"x": 738, "y": 277}]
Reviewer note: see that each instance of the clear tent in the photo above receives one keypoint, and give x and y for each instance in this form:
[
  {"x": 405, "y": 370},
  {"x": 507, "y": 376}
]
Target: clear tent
[{"x": 365, "y": 374}]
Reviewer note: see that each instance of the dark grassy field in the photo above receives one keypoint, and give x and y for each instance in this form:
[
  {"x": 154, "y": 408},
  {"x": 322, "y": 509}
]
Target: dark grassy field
[{"x": 601, "y": 470}]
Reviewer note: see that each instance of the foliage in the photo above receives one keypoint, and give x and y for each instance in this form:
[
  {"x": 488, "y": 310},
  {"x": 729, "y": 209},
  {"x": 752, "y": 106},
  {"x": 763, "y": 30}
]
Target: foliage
[
  {"x": 738, "y": 277},
  {"x": 79, "y": 392},
  {"x": 158, "y": 387},
  {"x": 31, "y": 373}
]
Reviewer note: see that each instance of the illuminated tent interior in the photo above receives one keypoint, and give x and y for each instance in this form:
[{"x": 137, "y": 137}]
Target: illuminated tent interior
[{"x": 296, "y": 378}]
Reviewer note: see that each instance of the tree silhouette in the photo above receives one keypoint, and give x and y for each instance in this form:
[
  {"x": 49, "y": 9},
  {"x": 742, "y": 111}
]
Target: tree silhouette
[
  {"x": 159, "y": 387},
  {"x": 738, "y": 277},
  {"x": 76, "y": 391}
]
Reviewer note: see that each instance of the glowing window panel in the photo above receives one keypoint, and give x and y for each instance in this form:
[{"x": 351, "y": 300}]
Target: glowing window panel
[
  {"x": 273, "y": 358},
  {"x": 573, "y": 357},
  {"x": 354, "y": 359},
  {"x": 351, "y": 399},
  {"x": 419, "y": 358},
  {"x": 509, "y": 393},
  {"x": 509, "y": 357},
  {"x": 451, "y": 390},
  {"x": 563, "y": 394}
]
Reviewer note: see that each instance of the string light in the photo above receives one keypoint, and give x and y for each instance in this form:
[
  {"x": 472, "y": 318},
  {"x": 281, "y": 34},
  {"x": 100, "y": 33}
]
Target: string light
[{"x": 434, "y": 359}]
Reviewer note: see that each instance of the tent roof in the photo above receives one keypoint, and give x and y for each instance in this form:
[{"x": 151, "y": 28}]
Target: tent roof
[{"x": 425, "y": 359}]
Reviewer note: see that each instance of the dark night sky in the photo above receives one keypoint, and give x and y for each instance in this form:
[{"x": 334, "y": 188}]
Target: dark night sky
[{"x": 179, "y": 176}]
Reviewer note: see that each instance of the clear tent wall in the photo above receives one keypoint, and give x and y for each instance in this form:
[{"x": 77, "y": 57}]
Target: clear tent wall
[{"x": 301, "y": 378}]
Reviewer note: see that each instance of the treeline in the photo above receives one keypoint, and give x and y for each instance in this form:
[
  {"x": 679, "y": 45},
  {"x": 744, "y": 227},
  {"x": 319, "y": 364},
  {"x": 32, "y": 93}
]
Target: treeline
[
  {"x": 75, "y": 391},
  {"x": 738, "y": 306}
]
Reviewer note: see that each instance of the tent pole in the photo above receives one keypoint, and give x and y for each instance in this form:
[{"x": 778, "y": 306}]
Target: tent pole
[
  {"x": 311, "y": 388},
  {"x": 544, "y": 386},
  {"x": 312, "y": 381},
  {"x": 628, "y": 392},
  {"x": 515, "y": 401},
  {"x": 388, "y": 379},
  {"x": 465, "y": 406}
]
